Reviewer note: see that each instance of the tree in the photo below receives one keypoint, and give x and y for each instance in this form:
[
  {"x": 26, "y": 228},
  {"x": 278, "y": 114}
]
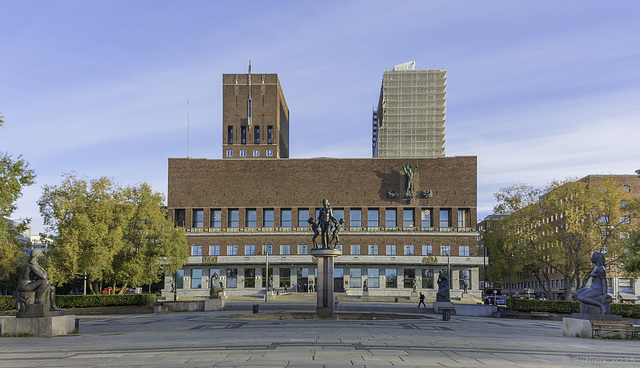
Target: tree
[
  {"x": 15, "y": 175},
  {"x": 109, "y": 233}
]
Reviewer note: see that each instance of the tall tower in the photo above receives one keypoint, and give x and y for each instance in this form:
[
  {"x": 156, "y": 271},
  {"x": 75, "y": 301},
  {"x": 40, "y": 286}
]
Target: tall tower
[
  {"x": 410, "y": 121},
  {"x": 255, "y": 117}
]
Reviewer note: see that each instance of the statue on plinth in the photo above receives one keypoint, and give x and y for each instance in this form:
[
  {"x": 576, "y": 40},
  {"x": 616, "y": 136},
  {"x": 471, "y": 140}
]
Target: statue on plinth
[
  {"x": 34, "y": 289},
  {"x": 215, "y": 291},
  {"x": 594, "y": 299},
  {"x": 316, "y": 233},
  {"x": 443, "y": 288},
  {"x": 326, "y": 222},
  {"x": 409, "y": 172}
]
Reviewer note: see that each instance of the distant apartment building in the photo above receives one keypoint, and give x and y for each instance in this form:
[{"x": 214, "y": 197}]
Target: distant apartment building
[{"x": 410, "y": 120}]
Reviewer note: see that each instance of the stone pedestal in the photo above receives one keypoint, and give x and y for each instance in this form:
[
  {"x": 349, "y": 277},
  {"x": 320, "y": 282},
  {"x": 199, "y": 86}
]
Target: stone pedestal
[
  {"x": 324, "y": 284},
  {"x": 214, "y": 304},
  {"x": 39, "y": 327},
  {"x": 440, "y": 305},
  {"x": 580, "y": 324}
]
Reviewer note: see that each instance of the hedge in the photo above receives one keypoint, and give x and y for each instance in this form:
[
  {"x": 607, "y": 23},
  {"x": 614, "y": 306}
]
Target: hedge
[
  {"x": 89, "y": 301},
  {"x": 568, "y": 307}
]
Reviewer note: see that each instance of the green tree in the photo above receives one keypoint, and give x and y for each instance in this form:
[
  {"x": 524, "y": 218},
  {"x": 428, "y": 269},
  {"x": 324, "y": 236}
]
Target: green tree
[
  {"x": 15, "y": 175},
  {"x": 109, "y": 233}
]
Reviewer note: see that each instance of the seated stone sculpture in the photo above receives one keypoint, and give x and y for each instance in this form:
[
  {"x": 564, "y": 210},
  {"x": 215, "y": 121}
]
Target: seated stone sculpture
[
  {"x": 443, "y": 288},
  {"x": 35, "y": 296},
  {"x": 594, "y": 299},
  {"x": 215, "y": 291}
]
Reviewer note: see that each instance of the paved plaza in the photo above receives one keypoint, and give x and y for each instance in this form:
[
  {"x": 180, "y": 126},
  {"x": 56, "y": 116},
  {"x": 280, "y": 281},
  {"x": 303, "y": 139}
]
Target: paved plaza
[{"x": 213, "y": 339}]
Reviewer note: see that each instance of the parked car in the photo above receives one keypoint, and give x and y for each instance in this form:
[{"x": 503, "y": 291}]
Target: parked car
[{"x": 497, "y": 299}]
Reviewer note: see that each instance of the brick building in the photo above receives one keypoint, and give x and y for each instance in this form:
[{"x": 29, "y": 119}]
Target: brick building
[{"x": 236, "y": 210}]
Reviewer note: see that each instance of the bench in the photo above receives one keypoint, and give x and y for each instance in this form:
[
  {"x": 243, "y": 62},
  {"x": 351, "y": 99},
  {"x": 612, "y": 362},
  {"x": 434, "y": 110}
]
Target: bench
[
  {"x": 540, "y": 314},
  {"x": 599, "y": 328}
]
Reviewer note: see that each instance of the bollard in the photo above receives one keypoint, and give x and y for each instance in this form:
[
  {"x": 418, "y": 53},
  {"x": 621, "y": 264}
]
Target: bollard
[
  {"x": 446, "y": 315},
  {"x": 256, "y": 308}
]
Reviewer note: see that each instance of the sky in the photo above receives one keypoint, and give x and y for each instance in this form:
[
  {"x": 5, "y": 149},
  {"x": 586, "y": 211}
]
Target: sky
[{"x": 537, "y": 90}]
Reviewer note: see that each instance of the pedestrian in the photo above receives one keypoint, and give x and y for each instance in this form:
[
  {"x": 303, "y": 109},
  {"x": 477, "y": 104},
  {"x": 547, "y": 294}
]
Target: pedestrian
[
  {"x": 421, "y": 301},
  {"x": 465, "y": 286},
  {"x": 336, "y": 304}
]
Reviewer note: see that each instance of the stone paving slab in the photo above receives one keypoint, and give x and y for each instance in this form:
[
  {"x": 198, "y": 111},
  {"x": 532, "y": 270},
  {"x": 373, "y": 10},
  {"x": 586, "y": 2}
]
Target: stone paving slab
[{"x": 209, "y": 339}]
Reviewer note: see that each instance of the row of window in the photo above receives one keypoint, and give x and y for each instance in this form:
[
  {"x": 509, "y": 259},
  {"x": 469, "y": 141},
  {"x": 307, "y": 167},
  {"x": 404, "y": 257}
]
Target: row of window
[
  {"x": 256, "y": 133},
  {"x": 388, "y": 278},
  {"x": 374, "y": 218},
  {"x": 355, "y": 249},
  {"x": 256, "y": 153}
]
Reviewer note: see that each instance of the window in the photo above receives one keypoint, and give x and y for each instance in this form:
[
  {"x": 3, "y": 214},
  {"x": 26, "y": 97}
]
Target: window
[
  {"x": 285, "y": 218},
  {"x": 198, "y": 218},
  {"x": 427, "y": 278},
  {"x": 229, "y": 136},
  {"x": 302, "y": 249},
  {"x": 249, "y": 111},
  {"x": 338, "y": 214},
  {"x": 427, "y": 250},
  {"x": 268, "y": 218},
  {"x": 269, "y": 153},
  {"x": 179, "y": 218},
  {"x": 626, "y": 188},
  {"x": 285, "y": 277},
  {"x": 232, "y": 250},
  {"x": 268, "y": 248},
  {"x": 355, "y": 217},
  {"x": 409, "y": 278},
  {"x": 409, "y": 250},
  {"x": 229, "y": 153},
  {"x": 285, "y": 249},
  {"x": 373, "y": 249},
  {"x": 256, "y": 153},
  {"x": 269, "y": 134},
  {"x": 464, "y": 279},
  {"x": 373, "y": 277},
  {"x": 243, "y": 136},
  {"x": 445, "y": 250},
  {"x": 355, "y": 275},
  {"x": 196, "y": 278},
  {"x": 256, "y": 135},
  {"x": 372, "y": 218},
  {"x": 249, "y": 250},
  {"x": 249, "y": 277},
  {"x": 407, "y": 218},
  {"x": 234, "y": 218},
  {"x": 463, "y": 251},
  {"x": 251, "y": 219},
  {"x": 463, "y": 218},
  {"x": 216, "y": 218},
  {"x": 196, "y": 250},
  {"x": 180, "y": 279},
  {"x": 214, "y": 250},
  {"x": 243, "y": 153},
  {"x": 232, "y": 277},
  {"x": 391, "y": 250},
  {"x": 624, "y": 219},
  {"x": 355, "y": 249},
  {"x": 390, "y": 218},
  {"x": 445, "y": 218},
  {"x": 303, "y": 216},
  {"x": 391, "y": 277}
]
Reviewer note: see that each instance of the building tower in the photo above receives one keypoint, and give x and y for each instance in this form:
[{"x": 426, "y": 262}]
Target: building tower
[
  {"x": 255, "y": 117},
  {"x": 410, "y": 121}
]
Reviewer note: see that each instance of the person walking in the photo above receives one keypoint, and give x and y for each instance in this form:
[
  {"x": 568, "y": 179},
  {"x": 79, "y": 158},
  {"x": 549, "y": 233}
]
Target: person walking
[
  {"x": 421, "y": 301},
  {"x": 336, "y": 304}
]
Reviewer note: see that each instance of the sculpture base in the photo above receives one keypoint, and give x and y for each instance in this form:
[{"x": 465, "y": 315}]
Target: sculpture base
[
  {"x": 597, "y": 317},
  {"x": 213, "y": 304},
  {"x": 324, "y": 284},
  {"x": 442, "y": 305},
  {"x": 39, "y": 327},
  {"x": 38, "y": 311}
]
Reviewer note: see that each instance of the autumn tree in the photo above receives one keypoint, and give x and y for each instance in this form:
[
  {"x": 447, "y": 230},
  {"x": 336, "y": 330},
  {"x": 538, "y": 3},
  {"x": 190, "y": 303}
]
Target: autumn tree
[
  {"x": 15, "y": 175},
  {"x": 109, "y": 233}
]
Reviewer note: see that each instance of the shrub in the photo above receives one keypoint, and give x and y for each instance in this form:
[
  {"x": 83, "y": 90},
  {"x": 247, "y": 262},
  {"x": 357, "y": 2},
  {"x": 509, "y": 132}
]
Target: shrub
[
  {"x": 7, "y": 302},
  {"x": 88, "y": 301},
  {"x": 568, "y": 307}
]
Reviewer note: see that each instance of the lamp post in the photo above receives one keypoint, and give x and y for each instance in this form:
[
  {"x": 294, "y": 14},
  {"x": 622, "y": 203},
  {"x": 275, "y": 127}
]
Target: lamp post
[{"x": 266, "y": 281}]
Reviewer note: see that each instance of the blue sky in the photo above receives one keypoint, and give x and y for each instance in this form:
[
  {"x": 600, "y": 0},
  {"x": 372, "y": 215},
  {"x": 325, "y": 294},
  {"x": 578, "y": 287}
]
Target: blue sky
[{"x": 538, "y": 90}]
